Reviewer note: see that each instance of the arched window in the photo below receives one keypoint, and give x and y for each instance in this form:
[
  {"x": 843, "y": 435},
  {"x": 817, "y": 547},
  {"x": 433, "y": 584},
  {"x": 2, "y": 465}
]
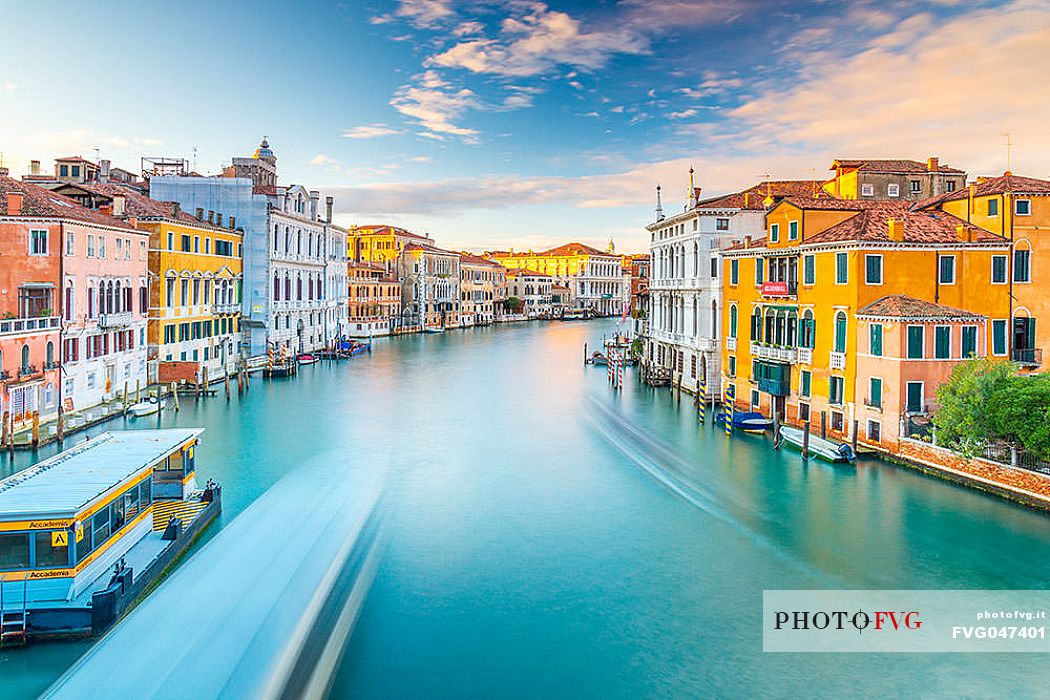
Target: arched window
[
  {"x": 840, "y": 332},
  {"x": 732, "y": 321},
  {"x": 50, "y": 353},
  {"x": 287, "y": 287},
  {"x": 792, "y": 328},
  {"x": 807, "y": 331},
  {"x": 276, "y": 237},
  {"x": 25, "y": 358},
  {"x": 116, "y": 298},
  {"x": 299, "y": 288},
  {"x": 756, "y": 326},
  {"x": 696, "y": 259},
  {"x": 91, "y": 302},
  {"x": 276, "y": 287},
  {"x": 299, "y": 242}
]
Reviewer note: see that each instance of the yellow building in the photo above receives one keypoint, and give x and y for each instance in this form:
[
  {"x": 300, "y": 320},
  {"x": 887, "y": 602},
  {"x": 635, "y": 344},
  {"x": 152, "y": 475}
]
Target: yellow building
[
  {"x": 373, "y": 299},
  {"x": 482, "y": 290},
  {"x": 791, "y": 301},
  {"x": 381, "y": 243},
  {"x": 1018, "y": 209},
  {"x": 893, "y": 179},
  {"x": 595, "y": 278}
]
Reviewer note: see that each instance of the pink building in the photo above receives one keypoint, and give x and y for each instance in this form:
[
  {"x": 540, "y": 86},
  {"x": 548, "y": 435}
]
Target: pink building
[
  {"x": 89, "y": 270},
  {"x": 906, "y": 349}
]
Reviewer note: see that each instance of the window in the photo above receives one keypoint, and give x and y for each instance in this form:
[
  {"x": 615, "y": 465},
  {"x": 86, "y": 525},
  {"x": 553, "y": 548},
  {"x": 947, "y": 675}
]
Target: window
[
  {"x": 942, "y": 342},
  {"x": 37, "y": 242},
  {"x": 756, "y": 400},
  {"x": 998, "y": 269},
  {"x": 1023, "y": 207},
  {"x": 873, "y": 269},
  {"x": 841, "y": 268},
  {"x": 807, "y": 330},
  {"x": 875, "y": 392},
  {"x": 916, "y": 340},
  {"x": 186, "y": 243},
  {"x": 875, "y": 339},
  {"x": 774, "y": 232},
  {"x": 893, "y": 190},
  {"x": 732, "y": 321},
  {"x": 809, "y": 269},
  {"x": 999, "y": 337},
  {"x": 803, "y": 412},
  {"x": 720, "y": 224},
  {"x": 835, "y": 391},
  {"x": 840, "y": 332},
  {"x": 70, "y": 243},
  {"x": 914, "y": 397},
  {"x": 731, "y": 366},
  {"x": 916, "y": 186},
  {"x": 946, "y": 269},
  {"x": 949, "y": 186},
  {"x": 805, "y": 383},
  {"x": 993, "y": 207},
  {"x": 874, "y": 431},
  {"x": 63, "y": 171},
  {"x": 75, "y": 171},
  {"x": 969, "y": 341},
  {"x": 14, "y": 552},
  {"x": 759, "y": 270},
  {"x": 52, "y": 549},
  {"x": 792, "y": 230},
  {"x": 1022, "y": 265},
  {"x": 867, "y": 190},
  {"x": 714, "y": 268},
  {"x": 734, "y": 271}
]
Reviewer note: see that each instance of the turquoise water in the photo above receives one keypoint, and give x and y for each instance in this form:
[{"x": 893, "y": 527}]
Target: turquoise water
[{"x": 548, "y": 538}]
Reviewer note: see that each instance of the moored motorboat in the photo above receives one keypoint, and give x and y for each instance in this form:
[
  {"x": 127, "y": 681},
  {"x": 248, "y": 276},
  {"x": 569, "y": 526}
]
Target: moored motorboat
[
  {"x": 146, "y": 407},
  {"x": 433, "y": 329},
  {"x": 748, "y": 421},
  {"x": 357, "y": 348},
  {"x": 821, "y": 447},
  {"x": 307, "y": 359},
  {"x": 597, "y": 358}
]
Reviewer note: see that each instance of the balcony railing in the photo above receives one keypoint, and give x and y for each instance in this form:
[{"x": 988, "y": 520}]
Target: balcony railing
[
  {"x": 122, "y": 318},
  {"x": 1029, "y": 357},
  {"x": 873, "y": 403},
  {"x": 26, "y": 370},
  {"x": 11, "y": 326},
  {"x": 226, "y": 308},
  {"x": 780, "y": 289},
  {"x": 804, "y": 356},
  {"x": 773, "y": 352},
  {"x": 838, "y": 360},
  {"x": 731, "y": 344}
]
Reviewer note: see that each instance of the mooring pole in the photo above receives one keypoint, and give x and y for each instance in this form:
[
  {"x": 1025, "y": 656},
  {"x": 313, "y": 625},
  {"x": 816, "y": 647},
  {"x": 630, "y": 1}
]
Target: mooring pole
[{"x": 805, "y": 442}]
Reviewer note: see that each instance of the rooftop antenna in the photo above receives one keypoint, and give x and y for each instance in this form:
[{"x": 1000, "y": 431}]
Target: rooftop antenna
[
  {"x": 97, "y": 154},
  {"x": 1009, "y": 145}
]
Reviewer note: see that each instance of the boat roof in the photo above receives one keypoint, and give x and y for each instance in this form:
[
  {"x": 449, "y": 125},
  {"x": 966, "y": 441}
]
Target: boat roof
[{"x": 64, "y": 484}]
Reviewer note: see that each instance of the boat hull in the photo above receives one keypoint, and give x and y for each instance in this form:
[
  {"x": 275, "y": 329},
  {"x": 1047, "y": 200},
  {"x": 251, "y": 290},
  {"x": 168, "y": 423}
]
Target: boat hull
[{"x": 818, "y": 446}]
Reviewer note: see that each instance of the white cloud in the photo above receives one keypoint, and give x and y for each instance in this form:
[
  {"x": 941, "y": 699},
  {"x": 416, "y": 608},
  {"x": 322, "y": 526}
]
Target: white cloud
[
  {"x": 435, "y": 104},
  {"x": 684, "y": 114},
  {"x": 322, "y": 159},
  {"x": 424, "y": 14},
  {"x": 369, "y": 131},
  {"x": 419, "y": 159},
  {"x": 537, "y": 40}
]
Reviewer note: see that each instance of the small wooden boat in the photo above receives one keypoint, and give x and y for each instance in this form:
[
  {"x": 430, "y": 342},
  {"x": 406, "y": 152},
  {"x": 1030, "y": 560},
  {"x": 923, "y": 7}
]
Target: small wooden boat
[
  {"x": 818, "y": 446},
  {"x": 748, "y": 421},
  {"x": 307, "y": 359},
  {"x": 146, "y": 407},
  {"x": 359, "y": 349},
  {"x": 433, "y": 329},
  {"x": 574, "y": 315},
  {"x": 598, "y": 358}
]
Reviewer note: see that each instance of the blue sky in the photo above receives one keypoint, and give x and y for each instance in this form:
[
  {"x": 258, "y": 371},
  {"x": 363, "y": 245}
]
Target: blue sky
[{"x": 527, "y": 123}]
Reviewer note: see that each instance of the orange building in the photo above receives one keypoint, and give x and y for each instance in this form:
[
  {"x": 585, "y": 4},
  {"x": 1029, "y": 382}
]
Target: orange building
[
  {"x": 791, "y": 301},
  {"x": 374, "y": 297}
]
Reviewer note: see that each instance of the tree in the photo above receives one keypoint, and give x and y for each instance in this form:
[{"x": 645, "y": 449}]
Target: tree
[
  {"x": 1020, "y": 412},
  {"x": 513, "y": 304},
  {"x": 962, "y": 419}
]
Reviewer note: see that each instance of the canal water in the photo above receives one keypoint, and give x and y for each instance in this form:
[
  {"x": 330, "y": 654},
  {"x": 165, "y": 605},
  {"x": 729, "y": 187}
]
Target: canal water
[{"x": 546, "y": 537}]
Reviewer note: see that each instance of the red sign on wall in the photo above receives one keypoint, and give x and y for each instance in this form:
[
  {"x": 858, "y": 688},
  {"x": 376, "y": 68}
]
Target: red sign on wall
[{"x": 775, "y": 288}]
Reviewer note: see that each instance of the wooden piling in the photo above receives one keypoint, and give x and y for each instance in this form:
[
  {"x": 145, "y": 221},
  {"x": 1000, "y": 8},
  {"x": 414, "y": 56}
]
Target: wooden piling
[
  {"x": 125, "y": 397},
  {"x": 856, "y": 425},
  {"x": 5, "y": 435},
  {"x": 226, "y": 381},
  {"x": 824, "y": 424},
  {"x": 36, "y": 428},
  {"x": 805, "y": 442},
  {"x": 175, "y": 395},
  {"x": 138, "y": 389},
  {"x": 585, "y": 354}
]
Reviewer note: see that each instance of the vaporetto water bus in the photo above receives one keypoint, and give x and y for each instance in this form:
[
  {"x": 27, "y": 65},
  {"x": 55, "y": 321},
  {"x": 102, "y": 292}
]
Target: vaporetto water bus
[{"x": 83, "y": 533}]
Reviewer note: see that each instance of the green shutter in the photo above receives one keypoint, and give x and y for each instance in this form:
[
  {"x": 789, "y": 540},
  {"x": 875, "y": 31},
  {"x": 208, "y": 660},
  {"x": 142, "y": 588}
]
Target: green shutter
[
  {"x": 804, "y": 379},
  {"x": 841, "y": 268},
  {"x": 876, "y": 339},
  {"x": 734, "y": 271},
  {"x": 999, "y": 337},
  {"x": 840, "y": 333},
  {"x": 969, "y": 341},
  {"x": 942, "y": 342},
  {"x": 915, "y": 342},
  {"x": 809, "y": 269},
  {"x": 876, "y": 391}
]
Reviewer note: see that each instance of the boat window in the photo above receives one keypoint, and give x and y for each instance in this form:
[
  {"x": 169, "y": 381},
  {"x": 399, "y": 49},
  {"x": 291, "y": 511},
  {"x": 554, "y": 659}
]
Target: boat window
[
  {"x": 84, "y": 546},
  {"x": 131, "y": 503},
  {"x": 117, "y": 514},
  {"x": 175, "y": 461},
  {"x": 189, "y": 459},
  {"x": 145, "y": 492},
  {"x": 14, "y": 552},
  {"x": 101, "y": 526},
  {"x": 52, "y": 549}
]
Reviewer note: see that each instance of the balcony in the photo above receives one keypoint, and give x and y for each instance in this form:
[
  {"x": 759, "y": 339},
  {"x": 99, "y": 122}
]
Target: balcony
[
  {"x": 837, "y": 360},
  {"x": 26, "y": 371},
  {"x": 780, "y": 289},
  {"x": 116, "y": 320},
  {"x": 776, "y": 353},
  {"x": 731, "y": 344},
  {"x": 804, "y": 356},
  {"x": 226, "y": 308},
  {"x": 1027, "y": 357},
  {"x": 20, "y": 326},
  {"x": 875, "y": 404}
]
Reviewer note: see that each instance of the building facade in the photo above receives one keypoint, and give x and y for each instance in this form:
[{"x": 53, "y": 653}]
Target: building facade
[
  {"x": 482, "y": 290},
  {"x": 893, "y": 179},
  {"x": 429, "y": 279},
  {"x": 373, "y": 299},
  {"x": 533, "y": 289}
]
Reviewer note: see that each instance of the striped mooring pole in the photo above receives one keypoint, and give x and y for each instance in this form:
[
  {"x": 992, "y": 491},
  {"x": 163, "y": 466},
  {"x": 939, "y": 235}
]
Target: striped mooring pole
[
  {"x": 701, "y": 398},
  {"x": 727, "y": 411}
]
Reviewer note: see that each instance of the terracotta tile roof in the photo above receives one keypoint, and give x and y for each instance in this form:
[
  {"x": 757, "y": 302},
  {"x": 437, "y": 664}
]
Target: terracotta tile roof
[
  {"x": 1007, "y": 182},
  {"x": 906, "y": 307},
  {"x": 472, "y": 259},
  {"x": 74, "y": 159},
  {"x": 428, "y": 248},
  {"x": 385, "y": 230},
  {"x": 747, "y": 244},
  {"x": 268, "y": 190},
  {"x": 753, "y": 197},
  {"x": 40, "y": 202},
  {"x": 871, "y": 223},
  {"x": 575, "y": 248},
  {"x": 891, "y": 165}
]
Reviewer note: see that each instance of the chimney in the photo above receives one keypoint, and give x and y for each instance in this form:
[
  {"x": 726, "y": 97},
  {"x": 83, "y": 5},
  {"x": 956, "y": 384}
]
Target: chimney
[
  {"x": 896, "y": 230},
  {"x": 14, "y": 203},
  {"x": 315, "y": 204},
  {"x": 963, "y": 234},
  {"x": 200, "y": 214},
  {"x": 103, "y": 170},
  {"x": 119, "y": 204},
  {"x": 4, "y": 172},
  {"x": 933, "y": 164},
  {"x": 34, "y": 167},
  {"x": 211, "y": 217},
  {"x": 973, "y": 192},
  {"x": 747, "y": 199},
  {"x": 233, "y": 223},
  {"x": 106, "y": 209},
  {"x": 218, "y": 219},
  {"x": 328, "y": 202},
  {"x": 175, "y": 210}
]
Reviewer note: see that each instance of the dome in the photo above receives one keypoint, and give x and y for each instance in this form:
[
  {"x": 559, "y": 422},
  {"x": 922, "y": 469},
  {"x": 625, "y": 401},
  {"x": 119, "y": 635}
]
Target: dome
[{"x": 263, "y": 151}]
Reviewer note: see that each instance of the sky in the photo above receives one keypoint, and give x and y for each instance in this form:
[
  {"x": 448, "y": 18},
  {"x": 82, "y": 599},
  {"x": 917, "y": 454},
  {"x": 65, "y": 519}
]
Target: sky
[{"x": 522, "y": 123}]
